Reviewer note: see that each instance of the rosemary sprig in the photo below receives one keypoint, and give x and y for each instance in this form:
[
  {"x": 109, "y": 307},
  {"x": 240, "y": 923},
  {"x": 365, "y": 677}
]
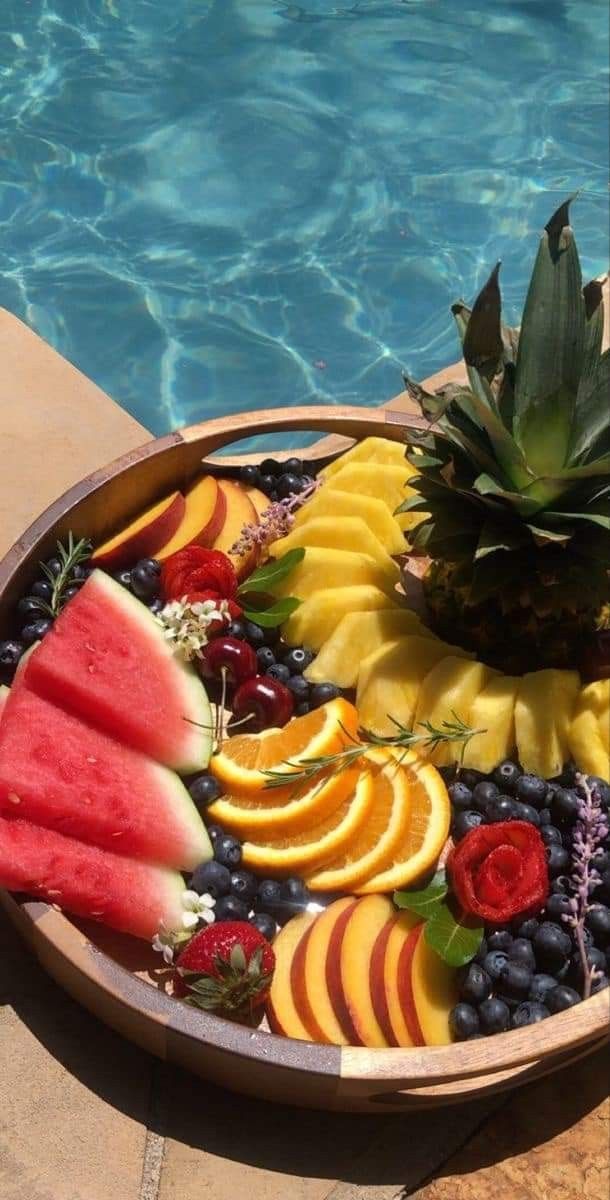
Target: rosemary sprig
[
  {"x": 304, "y": 769},
  {"x": 70, "y": 556}
]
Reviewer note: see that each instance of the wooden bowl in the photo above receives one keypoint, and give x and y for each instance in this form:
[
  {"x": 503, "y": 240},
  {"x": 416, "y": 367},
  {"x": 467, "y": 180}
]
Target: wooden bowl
[{"x": 118, "y": 978}]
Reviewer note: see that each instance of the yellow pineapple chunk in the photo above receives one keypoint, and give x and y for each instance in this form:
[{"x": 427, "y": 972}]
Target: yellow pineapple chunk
[
  {"x": 330, "y": 501},
  {"x": 370, "y": 450},
  {"x": 315, "y": 620},
  {"x": 590, "y": 730},
  {"x": 390, "y": 679},
  {"x": 447, "y": 692},
  {"x": 384, "y": 483},
  {"x": 323, "y": 568},
  {"x": 350, "y": 533},
  {"x": 543, "y": 716},
  {"x": 356, "y": 636},
  {"x": 494, "y": 711}
]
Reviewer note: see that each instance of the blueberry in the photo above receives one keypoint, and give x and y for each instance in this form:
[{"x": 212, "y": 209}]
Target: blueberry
[
  {"x": 244, "y": 885},
  {"x": 302, "y": 709},
  {"x": 499, "y": 939},
  {"x": 265, "y": 924},
  {"x": 544, "y": 816},
  {"x": 552, "y": 945},
  {"x": 36, "y": 630},
  {"x": 213, "y": 878},
  {"x": 70, "y": 593},
  {"x": 29, "y": 608},
  {"x": 124, "y": 578},
  {"x": 540, "y": 987},
  {"x": 564, "y": 806},
  {"x": 494, "y": 1015},
  {"x": 297, "y": 659},
  {"x": 494, "y": 963},
  {"x": 42, "y": 589},
  {"x": 10, "y": 653},
  {"x": 603, "y": 788},
  {"x": 80, "y": 572},
  {"x": 481, "y": 952},
  {"x": 54, "y": 565},
  {"x": 601, "y": 860},
  {"x": 527, "y": 928},
  {"x": 227, "y": 850},
  {"x": 269, "y": 894},
  {"x": 278, "y": 671},
  {"x": 471, "y": 777},
  {"x": 146, "y": 578},
  {"x": 293, "y": 466},
  {"x": 323, "y": 693},
  {"x": 237, "y": 629},
  {"x": 561, "y": 997},
  {"x": 556, "y": 906},
  {"x": 270, "y": 466},
  {"x": 526, "y": 812},
  {"x": 476, "y": 984},
  {"x": 560, "y": 886},
  {"x": 229, "y": 908},
  {"x": 506, "y": 775},
  {"x": 250, "y": 475},
  {"x": 266, "y": 484},
  {"x": 501, "y": 808},
  {"x": 298, "y": 686},
  {"x": 551, "y": 835},
  {"x": 522, "y": 952},
  {"x": 598, "y": 921},
  {"x": 463, "y": 1021},
  {"x": 460, "y": 796},
  {"x": 595, "y": 958},
  {"x": 464, "y": 823},
  {"x": 214, "y": 832},
  {"x": 295, "y": 892},
  {"x": 254, "y": 634},
  {"x": 288, "y": 485},
  {"x": 515, "y": 980},
  {"x": 602, "y": 892},
  {"x": 204, "y": 789},
  {"x": 531, "y": 789},
  {"x": 599, "y": 984},
  {"x": 265, "y": 658},
  {"x": 558, "y": 860},
  {"x": 529, "y": 1013},
  {"x": 155, "y": 605},
  {"x": 483, "y": 793}
]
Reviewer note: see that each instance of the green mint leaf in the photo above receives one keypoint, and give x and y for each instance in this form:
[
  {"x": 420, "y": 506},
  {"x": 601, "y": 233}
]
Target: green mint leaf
[
  {"x": 454, "y": 942},
  {"x": 271, "y": 573},
  {"x": 276, "y": 614},
  {"x": 426, "y": 901}
]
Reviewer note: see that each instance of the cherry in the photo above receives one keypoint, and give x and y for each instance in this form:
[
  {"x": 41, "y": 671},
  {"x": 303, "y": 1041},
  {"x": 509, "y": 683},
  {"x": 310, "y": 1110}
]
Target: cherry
[
  {"x": 265, "y": 700},
  {"x": 231, "y": 656}
]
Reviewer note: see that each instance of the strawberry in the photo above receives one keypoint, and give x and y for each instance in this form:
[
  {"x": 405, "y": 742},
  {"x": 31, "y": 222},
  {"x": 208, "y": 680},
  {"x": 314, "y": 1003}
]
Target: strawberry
[{"x": 227, "y": 969}]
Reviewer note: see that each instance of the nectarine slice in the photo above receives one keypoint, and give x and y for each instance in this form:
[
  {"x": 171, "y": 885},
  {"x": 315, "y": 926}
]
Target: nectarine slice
[
  {"x": 435, "y": 991},
  {"x": 204, "y": 514},
  {"x": 314, "y": 971},
  {"x": 240, "y": 511},
  {"x": 282, "y": 1013},
  {"x": 143, "y": 537},
  {"x": 260, "y": 501},
  {"x": 404, "y": 986},
  {"x": 364, "y": 925},
  {"x": 385, "y": 993}
]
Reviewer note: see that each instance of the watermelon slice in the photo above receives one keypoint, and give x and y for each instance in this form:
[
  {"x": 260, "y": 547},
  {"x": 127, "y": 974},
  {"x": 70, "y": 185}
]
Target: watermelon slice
[
  {"x": 107, "y": 661},
  {"x": 58, "y": 772},
  {"x": 133, "y": 897}
]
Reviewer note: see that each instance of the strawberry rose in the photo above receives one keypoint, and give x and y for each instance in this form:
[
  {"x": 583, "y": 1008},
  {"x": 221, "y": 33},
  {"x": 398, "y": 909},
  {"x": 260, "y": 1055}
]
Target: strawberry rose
[
  {"x": 500, "y": 871},
  {"x": 197, "y": 574}
]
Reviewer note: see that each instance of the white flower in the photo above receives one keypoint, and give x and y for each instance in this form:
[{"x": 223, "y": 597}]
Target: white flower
[
  {"x": 197, "y": 909},
  {"x": 187, "y": 625},
  {"x": 163, "y": 943}
]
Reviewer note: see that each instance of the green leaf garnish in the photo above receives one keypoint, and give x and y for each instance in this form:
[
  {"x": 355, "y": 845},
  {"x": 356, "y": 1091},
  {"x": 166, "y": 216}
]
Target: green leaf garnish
[
  {"x": 453, "y": 941},
  {"x": 275, "y": 615},
  {"x": 426, "y": 901},
  {"x": 271, "y": 573}
]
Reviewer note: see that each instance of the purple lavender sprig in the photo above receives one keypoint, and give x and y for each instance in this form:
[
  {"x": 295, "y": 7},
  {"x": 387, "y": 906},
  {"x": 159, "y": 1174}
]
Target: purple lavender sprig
[
  {"x": 590, "y": 832},
  {"x": 275, "y": 522}
]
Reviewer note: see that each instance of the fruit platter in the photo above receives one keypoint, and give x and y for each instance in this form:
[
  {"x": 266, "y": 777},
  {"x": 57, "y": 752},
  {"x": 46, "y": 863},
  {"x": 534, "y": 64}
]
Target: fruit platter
[{"x": 305, "y": 760}]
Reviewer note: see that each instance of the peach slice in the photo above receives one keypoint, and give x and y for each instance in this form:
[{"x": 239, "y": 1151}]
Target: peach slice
[
  {"x": 240, "y": 511},
  {"x": 384, "y": 977},
  {"x": 365, "y": 923},
  {"x": 144, "y": 536},
  {"x": 204, "y": 514},
  {"x": 314, "y": 970},
  {"x": 282, "y": 1013},
  {"x": 434, "y": 990},
  {"x": 404, "y": 987},
  {"x": 260, "y": 501}
]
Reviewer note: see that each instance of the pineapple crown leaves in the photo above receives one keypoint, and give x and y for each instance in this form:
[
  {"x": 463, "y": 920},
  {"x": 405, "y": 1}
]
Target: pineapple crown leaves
[
  {"x": 517, "y": 461},
  {"x": 235, "y": 986}
]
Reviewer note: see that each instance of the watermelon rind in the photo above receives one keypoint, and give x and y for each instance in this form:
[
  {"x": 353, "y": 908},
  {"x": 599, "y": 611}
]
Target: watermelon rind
[{"x": 4, "y": 695}]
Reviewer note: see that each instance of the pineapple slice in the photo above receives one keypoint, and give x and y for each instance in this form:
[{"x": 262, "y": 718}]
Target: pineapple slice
[
  {"x": 315, "y": 620},
  {"x": 390, "y": 678},
  {"x": 494, "y": 711},
  {"x": 370, "y": 450},
  {"x": 447, "y": 692},
  {"x": 590, "y": 730},
  {"x": 323, "y": 568},
  {"x": 366, "y": 631},
  {"x": 543, "y": 716},
  {"x": 350, "y": 533},
  {"x": 329, "y": 501},
  {"x": 384, "y": 483}
]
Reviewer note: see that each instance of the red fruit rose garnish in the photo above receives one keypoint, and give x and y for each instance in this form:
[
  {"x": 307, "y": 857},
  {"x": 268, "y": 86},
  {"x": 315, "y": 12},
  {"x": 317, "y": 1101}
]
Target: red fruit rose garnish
[
  {"x": 500, "y": 871},
  {"x": 200, "y": 574},
  {"x": 226, "y": 969}
]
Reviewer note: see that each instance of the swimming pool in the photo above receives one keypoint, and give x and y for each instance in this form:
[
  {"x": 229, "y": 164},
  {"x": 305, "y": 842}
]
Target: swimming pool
[{"x": 218, "y": 205}]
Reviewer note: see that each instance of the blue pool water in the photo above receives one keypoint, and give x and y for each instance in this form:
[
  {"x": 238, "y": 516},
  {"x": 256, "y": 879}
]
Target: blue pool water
[{"x": 219, "y": 205}]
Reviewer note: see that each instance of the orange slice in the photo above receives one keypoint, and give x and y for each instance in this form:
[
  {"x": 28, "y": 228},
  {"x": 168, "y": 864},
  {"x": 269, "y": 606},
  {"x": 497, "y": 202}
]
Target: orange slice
[
  {"x": 376, "y": 841},
  {"x": 242, "y": 760},
  {"x": 314, "y": 846},
  {"x": 425, "y": 833},
  {"x": 280, "y": 810}
]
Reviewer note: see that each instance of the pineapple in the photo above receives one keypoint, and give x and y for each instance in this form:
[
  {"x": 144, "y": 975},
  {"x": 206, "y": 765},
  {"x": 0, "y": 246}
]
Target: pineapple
[
  {"x": 515, "y": 472},
  {"x": 322, "y": 568},
  {"x": 329, "y": 501},
  {"x": 369, "y": 450},
  {"x": 390, "y": 679},
  {"x": 368, "y": 631},
  {"x": 543, "y": 716},
  {"x": 493, "y": 711},
  {"x": 388, "y": 484},
  {"x": 315, "y": 620},
  {"x": 590, "y": 729},
  {"x": 449, "y": 691},
  {"x": 351, "y": 533}
]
